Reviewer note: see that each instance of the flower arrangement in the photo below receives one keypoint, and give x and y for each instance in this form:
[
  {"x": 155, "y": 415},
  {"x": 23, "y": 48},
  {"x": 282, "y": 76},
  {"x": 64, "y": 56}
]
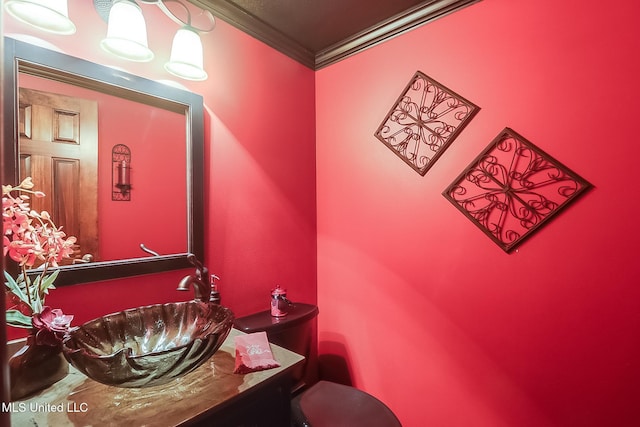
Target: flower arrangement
[{"x": 33, "y": 240}]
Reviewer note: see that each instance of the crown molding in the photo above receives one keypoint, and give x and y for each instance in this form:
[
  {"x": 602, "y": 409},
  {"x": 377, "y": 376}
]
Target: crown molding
[
  {"x": 396, "y": 25},
  {"x": 390, "y": 28}
]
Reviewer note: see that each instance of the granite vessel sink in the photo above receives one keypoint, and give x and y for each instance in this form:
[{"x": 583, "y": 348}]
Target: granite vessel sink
[{"x": 149, "y": 345}]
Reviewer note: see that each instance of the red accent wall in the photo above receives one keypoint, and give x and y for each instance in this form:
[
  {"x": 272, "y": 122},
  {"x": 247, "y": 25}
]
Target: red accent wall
[{"x": 429, "y": 314}]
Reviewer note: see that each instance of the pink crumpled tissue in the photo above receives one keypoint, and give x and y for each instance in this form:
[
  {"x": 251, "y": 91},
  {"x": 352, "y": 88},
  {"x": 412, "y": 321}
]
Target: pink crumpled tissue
[{"x": 253, "y": 353}]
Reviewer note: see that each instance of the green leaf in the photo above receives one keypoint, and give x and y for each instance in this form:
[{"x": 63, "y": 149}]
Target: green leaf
[
  {"x": 19, "y": 320},
  {"x": 46, "y": 282},
  {"x": 13, "y": 286}
]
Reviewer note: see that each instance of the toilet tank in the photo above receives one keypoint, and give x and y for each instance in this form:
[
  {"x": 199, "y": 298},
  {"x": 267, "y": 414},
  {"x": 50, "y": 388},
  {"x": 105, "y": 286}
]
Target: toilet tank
[{"x": 297, "y": 331}]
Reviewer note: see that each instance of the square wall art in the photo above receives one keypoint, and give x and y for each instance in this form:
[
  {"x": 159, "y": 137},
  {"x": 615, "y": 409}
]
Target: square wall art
[
  {"x": 424, "y": 121},
  {"x": 512, "y": 188}
]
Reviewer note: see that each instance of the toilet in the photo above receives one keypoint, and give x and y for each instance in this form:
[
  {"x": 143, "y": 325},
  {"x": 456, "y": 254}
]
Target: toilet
[
  {"x": 316, "y": 403},
  {"x": 297, "y": 331}
]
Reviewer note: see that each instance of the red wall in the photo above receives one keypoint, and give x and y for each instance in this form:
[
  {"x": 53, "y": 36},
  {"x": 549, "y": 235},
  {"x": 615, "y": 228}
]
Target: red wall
[
  {"x": 433, "y": 317},
  {"x": 429, "y": 314},
  {"x": 259, "y": 161}
]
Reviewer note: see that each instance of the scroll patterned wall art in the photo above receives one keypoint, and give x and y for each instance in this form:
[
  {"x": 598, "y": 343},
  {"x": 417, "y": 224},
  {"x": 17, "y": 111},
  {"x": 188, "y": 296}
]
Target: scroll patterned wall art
[
  {"x": 120, "y": 153},
  {"x": 512, "y": 188},
  {"x": 424, "y": 121}
]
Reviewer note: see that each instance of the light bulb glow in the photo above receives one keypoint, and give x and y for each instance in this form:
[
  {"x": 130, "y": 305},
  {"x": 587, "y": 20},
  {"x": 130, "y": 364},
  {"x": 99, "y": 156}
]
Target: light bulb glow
[
  {"x": 186, "y": 59},
  {"x": 47, "y": 15},
  {"x": 127, "y": 33}
]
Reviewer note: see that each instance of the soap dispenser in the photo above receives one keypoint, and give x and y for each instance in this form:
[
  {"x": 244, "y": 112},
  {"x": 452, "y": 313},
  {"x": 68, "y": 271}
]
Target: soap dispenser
[
  {"x": 215, "y": 295},
  {"x": 279, "y": 302}
]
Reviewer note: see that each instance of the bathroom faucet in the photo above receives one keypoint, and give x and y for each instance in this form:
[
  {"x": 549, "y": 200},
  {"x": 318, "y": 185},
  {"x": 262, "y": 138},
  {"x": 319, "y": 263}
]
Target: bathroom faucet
[{"x": 199, "y": 280}]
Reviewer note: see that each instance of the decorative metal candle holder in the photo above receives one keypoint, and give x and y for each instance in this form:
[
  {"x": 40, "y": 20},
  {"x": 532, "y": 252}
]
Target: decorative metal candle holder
[{"x": 121, "y": 173}]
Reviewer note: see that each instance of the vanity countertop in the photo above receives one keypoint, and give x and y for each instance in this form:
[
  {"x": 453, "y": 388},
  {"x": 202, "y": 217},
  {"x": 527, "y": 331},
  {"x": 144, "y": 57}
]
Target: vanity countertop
[{"x": 79, "y": 401}]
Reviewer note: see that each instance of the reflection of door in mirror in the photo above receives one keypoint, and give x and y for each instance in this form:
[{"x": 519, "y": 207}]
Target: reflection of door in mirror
[{"x": 58, "y": 149}]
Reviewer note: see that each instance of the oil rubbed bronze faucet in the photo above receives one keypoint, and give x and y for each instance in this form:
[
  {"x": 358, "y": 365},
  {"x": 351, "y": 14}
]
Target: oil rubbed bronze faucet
[{"x": 199, "y": 280}]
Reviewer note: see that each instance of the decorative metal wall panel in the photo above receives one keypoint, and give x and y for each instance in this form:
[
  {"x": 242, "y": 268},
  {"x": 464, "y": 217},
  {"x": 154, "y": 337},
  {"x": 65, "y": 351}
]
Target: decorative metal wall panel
[
  {"x": 424, "y": 121},
  {"x": 512, "y": 188}
]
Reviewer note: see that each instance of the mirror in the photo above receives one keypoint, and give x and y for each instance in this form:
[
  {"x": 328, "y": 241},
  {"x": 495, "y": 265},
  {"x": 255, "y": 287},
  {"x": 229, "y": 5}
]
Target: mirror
[{"x": 173, "y": 187}]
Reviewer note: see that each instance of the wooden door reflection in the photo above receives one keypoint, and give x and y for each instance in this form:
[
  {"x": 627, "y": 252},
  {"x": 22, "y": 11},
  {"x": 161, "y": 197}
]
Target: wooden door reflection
[{"x": 59, "y": 150}]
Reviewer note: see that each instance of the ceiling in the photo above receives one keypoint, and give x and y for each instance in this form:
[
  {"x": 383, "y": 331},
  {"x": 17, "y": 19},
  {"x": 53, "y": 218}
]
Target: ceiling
[{"x": 318, "y": 33}]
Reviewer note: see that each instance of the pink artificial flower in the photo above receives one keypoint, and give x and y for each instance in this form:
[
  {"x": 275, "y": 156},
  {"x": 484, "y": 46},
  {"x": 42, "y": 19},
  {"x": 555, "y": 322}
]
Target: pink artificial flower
[
  {"x": 16, "y": 222},
  {"x": 23, "y": 252},
  {"x": 34, "y": 236},
  {"x": 57, "y": 248},
  {"x": 50, "y": 325},
  {"x": 32, "y": 239}
]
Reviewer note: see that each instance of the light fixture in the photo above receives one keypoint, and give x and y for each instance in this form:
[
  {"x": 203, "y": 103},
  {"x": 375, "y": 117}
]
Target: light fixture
[
  {"x": 186, "y": 59},
  {"x": 126, "y": 37},
  {"x": 48, "y": 15},
  {"x": 127, "y": 32}
]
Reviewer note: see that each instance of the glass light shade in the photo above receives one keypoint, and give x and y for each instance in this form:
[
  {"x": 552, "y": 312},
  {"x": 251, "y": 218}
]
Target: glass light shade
[
  {"x": 186, "y": 59},
  {"x": 48, "y": 15},
  {"x": 127, "y": 32}
]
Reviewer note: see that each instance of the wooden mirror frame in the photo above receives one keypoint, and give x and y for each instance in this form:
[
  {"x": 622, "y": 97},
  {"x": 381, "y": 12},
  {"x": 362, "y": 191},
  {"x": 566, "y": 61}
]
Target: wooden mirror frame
[{"x": 21, "y": 56}]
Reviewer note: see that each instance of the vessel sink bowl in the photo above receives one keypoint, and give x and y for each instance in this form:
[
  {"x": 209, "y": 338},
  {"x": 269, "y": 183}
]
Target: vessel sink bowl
[{"x": 148, "y": 346}]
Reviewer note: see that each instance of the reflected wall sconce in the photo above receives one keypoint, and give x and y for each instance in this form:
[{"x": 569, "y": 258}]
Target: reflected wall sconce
[
  {"x": 126, "y": 30},
  {"x": 121, "y": 173}
]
